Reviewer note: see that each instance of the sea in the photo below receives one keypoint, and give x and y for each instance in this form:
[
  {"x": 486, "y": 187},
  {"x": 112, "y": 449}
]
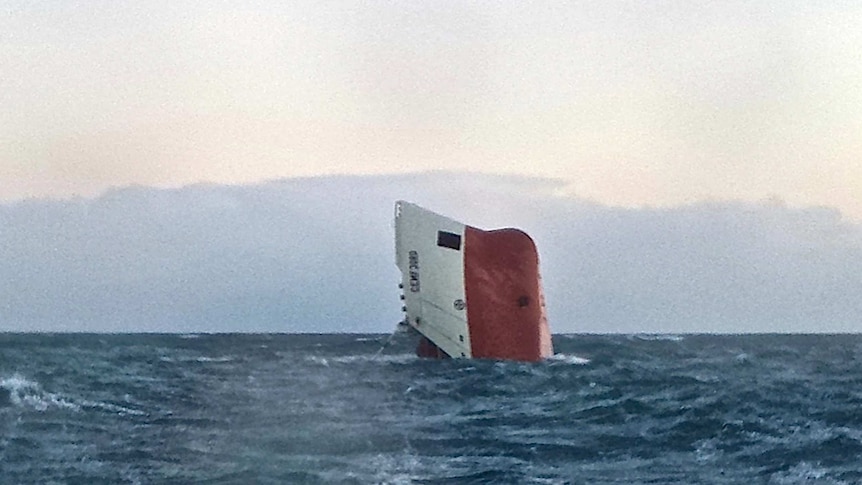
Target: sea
[{"x": 363, "y": 409}]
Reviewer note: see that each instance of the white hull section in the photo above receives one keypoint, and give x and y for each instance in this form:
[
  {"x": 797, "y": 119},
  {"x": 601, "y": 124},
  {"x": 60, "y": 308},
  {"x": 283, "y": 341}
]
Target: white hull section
[{"x": 430, "y": 254}]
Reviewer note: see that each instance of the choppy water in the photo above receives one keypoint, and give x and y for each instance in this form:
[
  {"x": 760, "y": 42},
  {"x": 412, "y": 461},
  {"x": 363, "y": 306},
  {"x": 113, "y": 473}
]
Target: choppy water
[{"x": 323, "y": 409}]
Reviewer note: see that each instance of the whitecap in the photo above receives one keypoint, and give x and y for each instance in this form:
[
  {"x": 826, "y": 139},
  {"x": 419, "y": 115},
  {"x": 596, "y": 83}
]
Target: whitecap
[
  {"x": 386, "y": 358},
  {"x": 114, "y": 408},
  {"x": 201, "y": 359},
  {"x": 569, "y": 359},
  {"x": 225, "y": 358},
  {"x": 319, "y": 360},
  {"x": 26, "y": 393}
]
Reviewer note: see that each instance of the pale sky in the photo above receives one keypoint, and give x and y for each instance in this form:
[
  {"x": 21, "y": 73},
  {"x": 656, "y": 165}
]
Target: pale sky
[{"x": 626, "y": 103}]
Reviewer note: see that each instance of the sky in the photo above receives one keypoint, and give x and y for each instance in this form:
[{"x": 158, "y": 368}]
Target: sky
[
  {"x": 630, "y": 104},
  {"x": 684, "y": 166}
]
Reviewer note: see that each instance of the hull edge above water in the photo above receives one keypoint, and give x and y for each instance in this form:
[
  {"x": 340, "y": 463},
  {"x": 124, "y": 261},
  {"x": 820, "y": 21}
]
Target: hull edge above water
[{"x": 470, "y": 293}]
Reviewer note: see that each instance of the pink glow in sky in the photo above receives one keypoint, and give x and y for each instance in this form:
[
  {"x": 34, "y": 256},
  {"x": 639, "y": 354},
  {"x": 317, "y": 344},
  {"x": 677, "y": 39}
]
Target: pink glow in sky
[{"x": 627, "y": 103}]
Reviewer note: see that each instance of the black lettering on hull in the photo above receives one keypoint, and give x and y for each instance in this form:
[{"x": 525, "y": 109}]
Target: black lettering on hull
[{"x": 413, "y": 270}]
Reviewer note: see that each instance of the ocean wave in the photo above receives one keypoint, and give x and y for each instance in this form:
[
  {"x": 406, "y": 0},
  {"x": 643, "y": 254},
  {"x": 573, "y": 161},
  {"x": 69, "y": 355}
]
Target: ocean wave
[
  {"x": 318, "y": 360},
  {"x": 407, "y": 358},
  {"x": 605, "y": 409},
  {"x": 23, "y": 392},
  {"x": 569, "y": 359},
  {"x": 19, "y": 391},
  {"x": 113, "y": 408},
  {"x": 200, "y": 359},
  {"x": 224, "y": 358},
  {"x": 650, "y": 337},
  {"x": 352, "y": 359},
  {"x": 804, "y": 472}
]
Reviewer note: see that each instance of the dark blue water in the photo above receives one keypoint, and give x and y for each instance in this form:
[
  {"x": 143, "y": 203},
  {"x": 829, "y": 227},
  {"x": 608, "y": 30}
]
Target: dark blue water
[{"x": 323, "y": 409}]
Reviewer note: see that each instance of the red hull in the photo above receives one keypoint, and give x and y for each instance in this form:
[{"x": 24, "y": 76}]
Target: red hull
[
  {"x": 505, "y": 303},
  {"x": 427, "y": 349}
]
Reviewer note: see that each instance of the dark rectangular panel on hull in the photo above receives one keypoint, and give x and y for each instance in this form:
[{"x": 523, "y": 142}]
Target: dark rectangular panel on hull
[{"x": 449, "y": 240}]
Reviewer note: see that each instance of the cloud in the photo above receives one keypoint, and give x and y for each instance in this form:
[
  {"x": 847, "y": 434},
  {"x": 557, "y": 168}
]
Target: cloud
[{"x": 316, "y": 255}]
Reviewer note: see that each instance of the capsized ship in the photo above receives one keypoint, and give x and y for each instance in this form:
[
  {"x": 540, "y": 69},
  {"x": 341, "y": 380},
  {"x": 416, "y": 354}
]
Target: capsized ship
[{"x": 470, "y": 293}]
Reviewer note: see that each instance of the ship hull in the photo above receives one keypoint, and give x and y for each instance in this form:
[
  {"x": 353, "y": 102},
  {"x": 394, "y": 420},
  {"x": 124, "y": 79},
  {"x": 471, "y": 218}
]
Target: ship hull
[{"x": 470, "y": 293}]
